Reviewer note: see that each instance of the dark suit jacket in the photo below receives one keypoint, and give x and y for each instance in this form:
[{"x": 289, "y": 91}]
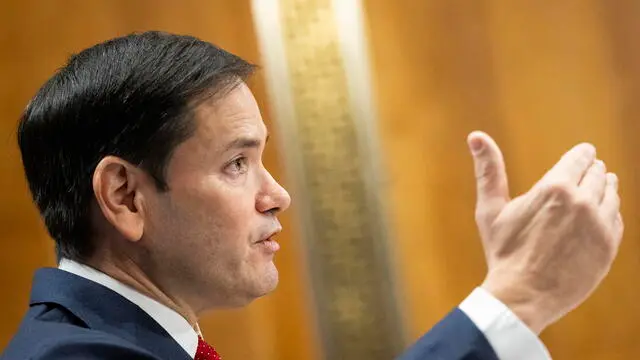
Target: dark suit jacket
[{"x": 73, "y": 318}]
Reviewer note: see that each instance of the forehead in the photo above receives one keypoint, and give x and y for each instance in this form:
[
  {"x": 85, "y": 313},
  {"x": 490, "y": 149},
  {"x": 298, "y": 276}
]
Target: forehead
[{"x": 233, "y": 115}]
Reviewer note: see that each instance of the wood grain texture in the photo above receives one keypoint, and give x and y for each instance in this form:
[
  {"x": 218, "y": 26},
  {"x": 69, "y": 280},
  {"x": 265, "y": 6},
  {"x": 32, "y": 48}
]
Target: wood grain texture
[
  {"x": 540, "y": 76},
  {"x": 36, "y": 37}
]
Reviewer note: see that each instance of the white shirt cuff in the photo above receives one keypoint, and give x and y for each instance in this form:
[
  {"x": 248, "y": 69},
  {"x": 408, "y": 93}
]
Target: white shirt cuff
[{"x": 510, "y": 338}]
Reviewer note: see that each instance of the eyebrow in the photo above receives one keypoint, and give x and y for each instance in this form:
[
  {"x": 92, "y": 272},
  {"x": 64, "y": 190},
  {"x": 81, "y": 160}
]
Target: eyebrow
[{"x": 245, "y": 143}]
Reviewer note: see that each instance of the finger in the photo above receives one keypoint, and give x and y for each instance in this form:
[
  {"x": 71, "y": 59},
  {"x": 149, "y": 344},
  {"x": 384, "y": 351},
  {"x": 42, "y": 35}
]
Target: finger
[
  {"x": 619, "y": 226},
  {"x": 491, "y": 177},
  {"x": 572, "y": 166},
  {"x": 610, "y": 206},
  {"x": 594, "y": 182}
]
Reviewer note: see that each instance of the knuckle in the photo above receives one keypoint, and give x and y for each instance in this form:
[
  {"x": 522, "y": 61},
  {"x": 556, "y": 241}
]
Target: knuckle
[
  {"x": 561, "y": 191},
  {"x": 486, "y": 170},
  {"x": 569, "y": 197},
  {"x": 584, "y": 205}
]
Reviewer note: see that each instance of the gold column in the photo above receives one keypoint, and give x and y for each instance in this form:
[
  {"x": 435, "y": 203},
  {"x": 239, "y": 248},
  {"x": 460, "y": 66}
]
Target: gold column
[{"x": 314, "y": 56}]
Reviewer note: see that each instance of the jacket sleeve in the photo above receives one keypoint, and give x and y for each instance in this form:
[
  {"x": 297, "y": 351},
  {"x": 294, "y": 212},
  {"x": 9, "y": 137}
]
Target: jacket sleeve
[{"x": 455, "y": 337}]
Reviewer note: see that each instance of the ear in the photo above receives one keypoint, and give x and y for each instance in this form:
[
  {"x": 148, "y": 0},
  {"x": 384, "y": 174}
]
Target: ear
[{"x": 116, "y": 185}]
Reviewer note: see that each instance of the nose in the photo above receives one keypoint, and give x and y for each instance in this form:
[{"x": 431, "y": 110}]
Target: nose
[{"x": 273, "y": 198}]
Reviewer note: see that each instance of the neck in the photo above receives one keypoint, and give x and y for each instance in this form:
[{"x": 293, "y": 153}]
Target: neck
[{"x": 129, "y": 272}]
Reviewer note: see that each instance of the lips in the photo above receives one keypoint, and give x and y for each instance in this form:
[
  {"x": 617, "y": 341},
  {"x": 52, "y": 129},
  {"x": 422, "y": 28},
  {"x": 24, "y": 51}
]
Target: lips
[
  {"x": 268, "y": 244},
  {"x": 269, "y": 236}
]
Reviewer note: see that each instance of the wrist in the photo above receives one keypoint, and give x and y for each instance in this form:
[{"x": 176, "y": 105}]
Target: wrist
[{"x": 524, "y": 303}]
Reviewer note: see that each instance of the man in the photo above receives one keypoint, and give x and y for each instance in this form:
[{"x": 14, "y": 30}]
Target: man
[{"x": 143, "y": 155}]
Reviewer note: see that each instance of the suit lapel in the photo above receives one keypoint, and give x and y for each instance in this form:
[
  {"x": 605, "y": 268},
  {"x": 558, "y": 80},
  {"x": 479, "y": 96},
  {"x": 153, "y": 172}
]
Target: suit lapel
[{"x": 105, "y": 310}]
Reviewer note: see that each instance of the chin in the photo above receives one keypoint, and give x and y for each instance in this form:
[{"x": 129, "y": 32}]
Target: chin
[
  {"x": 265, "y": 282},
  {"x": 269, "y": 280},
  {"x": 260, "y": 285}
]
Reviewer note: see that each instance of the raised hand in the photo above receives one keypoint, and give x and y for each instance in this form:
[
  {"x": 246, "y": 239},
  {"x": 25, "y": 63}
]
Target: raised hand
[{"x": 548, "y": 249}]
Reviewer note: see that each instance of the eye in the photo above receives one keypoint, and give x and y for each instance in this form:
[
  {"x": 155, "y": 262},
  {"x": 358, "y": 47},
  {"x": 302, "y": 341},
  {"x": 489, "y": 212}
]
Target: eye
[{"x": 238, "y": 166}]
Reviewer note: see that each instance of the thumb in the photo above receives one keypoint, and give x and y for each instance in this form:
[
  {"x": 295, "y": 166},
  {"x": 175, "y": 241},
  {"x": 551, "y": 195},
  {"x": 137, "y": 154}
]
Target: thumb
[{"x": 491, "y": 177}]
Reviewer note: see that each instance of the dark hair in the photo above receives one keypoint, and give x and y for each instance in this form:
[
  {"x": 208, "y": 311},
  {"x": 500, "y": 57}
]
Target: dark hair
[{"x": 129, "y": 97}]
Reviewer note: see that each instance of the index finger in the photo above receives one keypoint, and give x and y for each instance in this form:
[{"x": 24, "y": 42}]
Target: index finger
[{"x": 572, "y": 166}]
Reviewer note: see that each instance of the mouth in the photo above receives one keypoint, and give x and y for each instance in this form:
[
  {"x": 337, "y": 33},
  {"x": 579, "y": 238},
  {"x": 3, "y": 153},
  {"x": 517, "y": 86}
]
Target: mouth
[{"x": 268, "y": 242}]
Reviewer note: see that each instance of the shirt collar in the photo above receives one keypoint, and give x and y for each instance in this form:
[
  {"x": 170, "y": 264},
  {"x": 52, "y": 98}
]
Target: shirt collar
[{"x": 172, "y": 322}]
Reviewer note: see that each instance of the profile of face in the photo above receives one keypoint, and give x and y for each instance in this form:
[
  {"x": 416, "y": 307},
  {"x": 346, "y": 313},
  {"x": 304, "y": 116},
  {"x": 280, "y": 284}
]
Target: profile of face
[{"x": 210, "y": 236}]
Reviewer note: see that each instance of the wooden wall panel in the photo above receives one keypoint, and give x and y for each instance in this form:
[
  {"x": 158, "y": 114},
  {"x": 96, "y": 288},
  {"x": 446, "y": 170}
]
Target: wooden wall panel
[
  {"x": 539, "y": 76},
  {"x": 36, "y": 37}
]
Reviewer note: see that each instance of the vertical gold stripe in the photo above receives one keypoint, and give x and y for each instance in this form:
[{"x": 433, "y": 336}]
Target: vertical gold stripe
[{"x": 328, "y": 147}]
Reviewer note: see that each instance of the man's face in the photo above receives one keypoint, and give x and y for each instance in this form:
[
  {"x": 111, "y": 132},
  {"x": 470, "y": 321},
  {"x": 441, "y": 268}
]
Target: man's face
[{"x": 209, "y": 233}]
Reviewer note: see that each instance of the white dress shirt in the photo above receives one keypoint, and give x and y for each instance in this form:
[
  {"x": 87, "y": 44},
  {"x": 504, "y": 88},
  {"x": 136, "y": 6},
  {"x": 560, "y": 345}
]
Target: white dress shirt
[
  {"x": 172, "y": 322},
  {"x": 510, "y": 338}
]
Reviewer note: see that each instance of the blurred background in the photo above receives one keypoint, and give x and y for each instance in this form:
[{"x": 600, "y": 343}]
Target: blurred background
[{"x": 370, "y": 103}]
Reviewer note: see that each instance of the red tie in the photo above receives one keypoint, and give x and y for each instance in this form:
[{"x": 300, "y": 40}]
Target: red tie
[{"x": 206, "y": 351}]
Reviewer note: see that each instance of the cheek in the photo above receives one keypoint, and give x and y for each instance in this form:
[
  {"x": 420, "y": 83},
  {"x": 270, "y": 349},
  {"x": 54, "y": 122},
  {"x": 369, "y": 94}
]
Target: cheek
[
  {"x": 209, "y": 214},
  {"x": 221, "y": 216},
  {"x": 203, "y": 240}
]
